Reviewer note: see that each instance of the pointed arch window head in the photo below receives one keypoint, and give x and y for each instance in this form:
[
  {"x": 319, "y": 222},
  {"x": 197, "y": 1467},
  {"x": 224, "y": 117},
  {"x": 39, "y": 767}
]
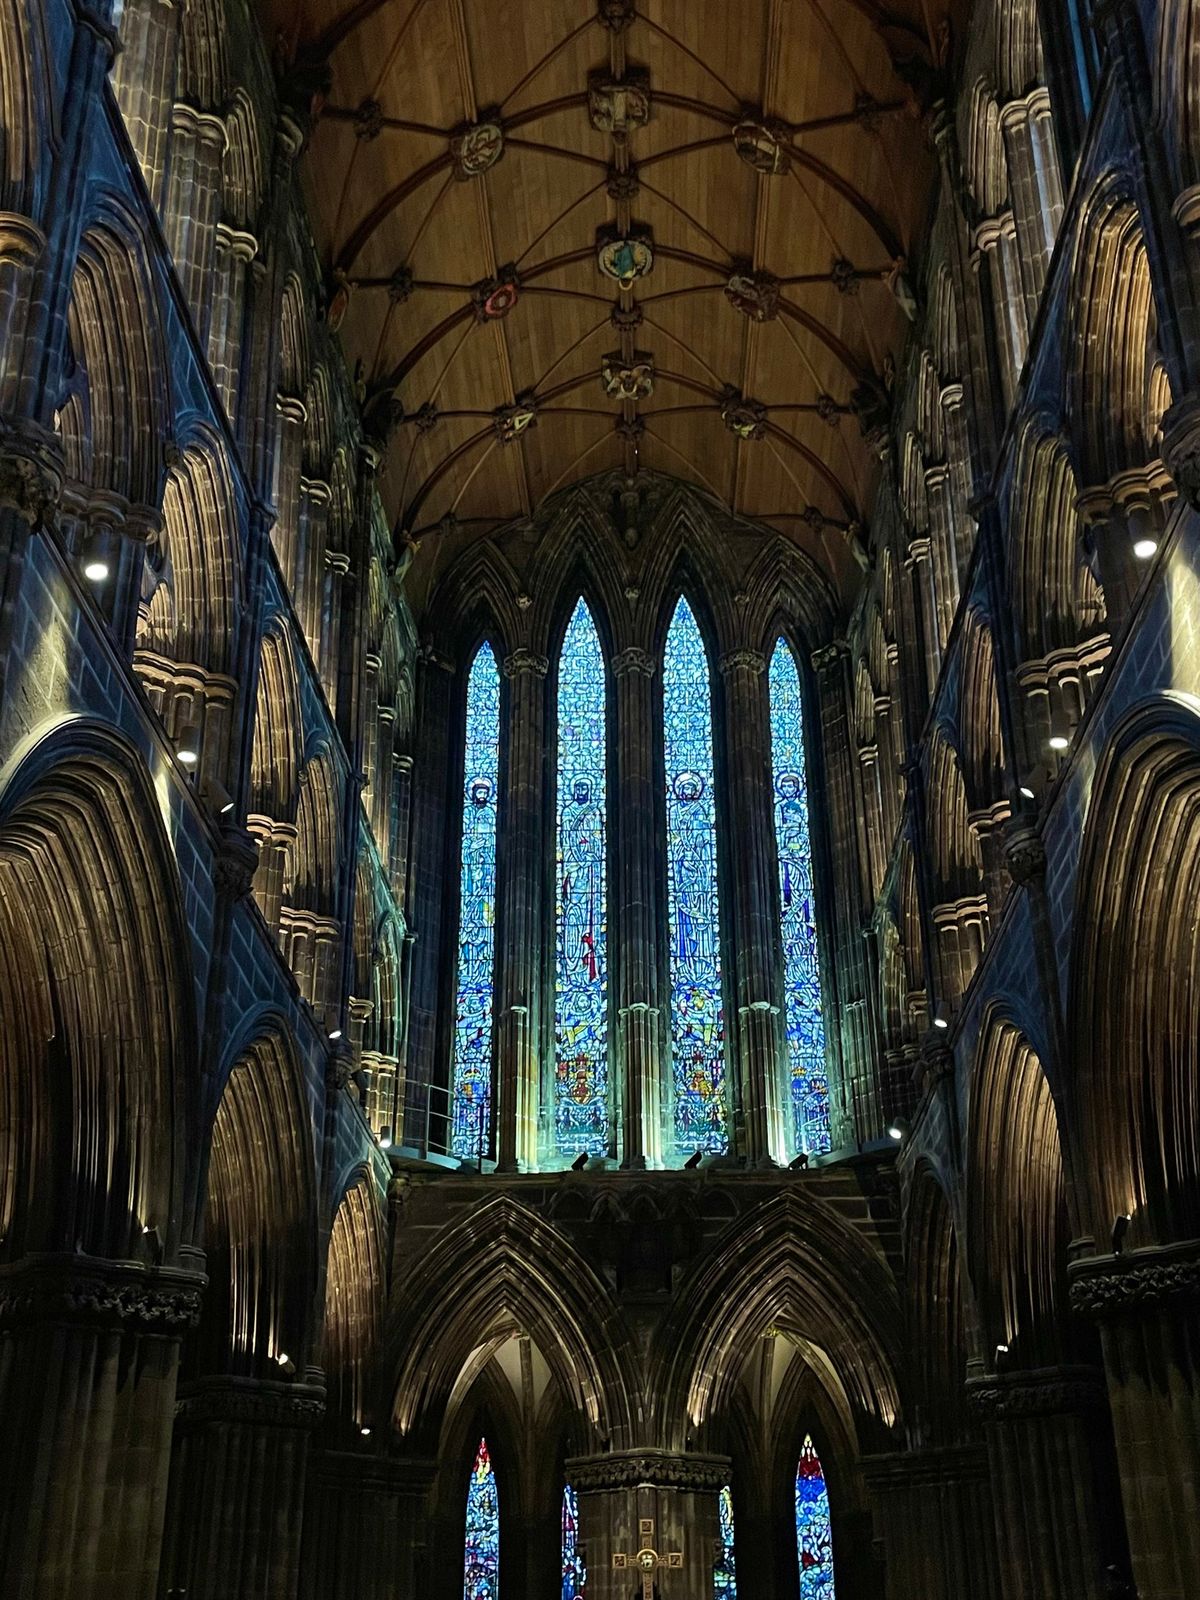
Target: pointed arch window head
[
  {"x": 481, "y": 1562},
  {"x": 574, "y": 1573},
  {"x": 472, "y": 1095},
  {"x": 724, "y": 1571},
  {"x": 814, "y": 1543},
  {"x": 697, "y": 1019},
  {"x": 581, "y": 1116},
  {"x": 804, "y": 1024}
]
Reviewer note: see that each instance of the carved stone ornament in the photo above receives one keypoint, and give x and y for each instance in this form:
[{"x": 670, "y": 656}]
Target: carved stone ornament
[
  {"x": 754, "y": 294},
  {"x": 745, "y": 419},
  {"x": 619, "y": 105},
  {"x": 625, "y": 257},
  {"x": 762, "y": 144},
  {"x": 116, "y": 1296},
  {"x": 622, "y": 184},
  {"x": 521, "y": 661},
  {"x": 633, "y": 659},
  {"x": 629, "y": 1470},
  {"x": 512, "y": 421},
  {"x": 368, "y": 120},
  {"x": 256, "y": 1402},
  {"x": 844, "y": 276},
  {"x": 476, "y": 147},
  {"x": 425, "y": 418},
  {"x": 495, "y": 297},
  {"x": 631, "y": 429},
  {"x": 1046, "y": 1392},
  {"x": 868, "y": 112},
  {"x": 1024, "y": 852},
  {"x": 400, "y": 286},
  {"x": 626, "y": 319},
  {"x": 616, "y": 15},
  {"x": 31, "y": 471},
  {"x": 236, "y": 862},
  {"x": 1142, "y": 1280},
  {"x": 339, "y": 291},
  {"x": 628, "y": 380},
  {"x": 1181, "y": 447},
  {"x": 828, "y": 410}
]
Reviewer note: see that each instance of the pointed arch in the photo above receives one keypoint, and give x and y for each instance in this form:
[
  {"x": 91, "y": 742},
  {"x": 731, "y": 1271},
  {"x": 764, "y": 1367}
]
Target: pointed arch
[
  {"x": 318, "y": 834},
  {"x": 354, "y": 1290},
  {"x": 935, "y": 1314},
  {"x": 278, "y": 730}
]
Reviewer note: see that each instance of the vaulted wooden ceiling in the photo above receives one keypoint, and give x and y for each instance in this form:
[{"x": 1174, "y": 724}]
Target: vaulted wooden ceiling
[{"x": 471, "y": 156}]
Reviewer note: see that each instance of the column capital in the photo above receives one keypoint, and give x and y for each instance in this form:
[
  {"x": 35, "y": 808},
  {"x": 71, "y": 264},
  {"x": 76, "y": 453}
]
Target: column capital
[
  {"x": 734, "y": 661},
  {"x": 31, "y": 471},
  {"x": 1181, "y": 446},
  {"x": 829, "y": 655},
  {"x": 125, "y": 1296},
  {"x": 1042, "y": 1392},
  {"x": 1139, "y": 1280},
  {"x": 664, "y": 1469},
  {"x": 1024, "y": 852},
  {"x": 521, "y": 661},
  {"x": 260, "y": 1401},
  {"x": 235, "y": 862},
  {"x": 635, "y": 660}
]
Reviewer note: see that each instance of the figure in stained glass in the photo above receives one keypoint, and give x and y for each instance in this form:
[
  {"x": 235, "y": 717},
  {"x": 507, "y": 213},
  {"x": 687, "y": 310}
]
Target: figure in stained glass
[
  {"x": 471, "y": 1111},
  {"x": 724, "y": 1572},
  {"x": 574, "y": 1573},
  {"x": 581, "y": 952},
  {"x": 803, "y": 1019},
  {"x": 814, "y": 1544},
  {"x": 481, "y": 1563},
  {"x": 697, "y": 1022}
]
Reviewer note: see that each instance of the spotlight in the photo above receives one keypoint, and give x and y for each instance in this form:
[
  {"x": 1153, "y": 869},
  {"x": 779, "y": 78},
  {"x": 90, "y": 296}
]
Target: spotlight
[
  {"x": 1143, "y": 549},
  {"x": 95, "y": 566},
  {"x": 799, "y": 1163},
  {"x": 385, "y": 1137},
  {"x": 1058, "y": 741},
  {"x": 895, "y": 1131},
  {"x": 285, "y": 1361},
  {"x": 1027, "y": 792},
  {"x": 693, "y": 1161},
  {"x": 1001, "y": 1357},
  {"x": 941, "y": 1016},
  {"x": 335, "y": 1034},
  {"x": 187, "y": 746},
  {"x": 219, "y": 798},
  {"x": 366, "y": 1432},
  {"x": 1120, "y": 1228}
]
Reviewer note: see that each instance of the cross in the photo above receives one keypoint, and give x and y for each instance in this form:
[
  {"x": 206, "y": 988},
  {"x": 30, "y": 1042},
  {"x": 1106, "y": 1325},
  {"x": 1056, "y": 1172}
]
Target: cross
[{"x": 647, "y": 1560}]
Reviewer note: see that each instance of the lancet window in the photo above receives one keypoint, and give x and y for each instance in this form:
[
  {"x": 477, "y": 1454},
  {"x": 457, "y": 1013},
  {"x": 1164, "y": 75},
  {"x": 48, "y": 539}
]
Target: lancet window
[
  {"x": 574, "y": 1573},
  {"x": 481, "y": 1563},
  {"x": 724, "y": 1571},
  {"x": 814, "y": 1542}
]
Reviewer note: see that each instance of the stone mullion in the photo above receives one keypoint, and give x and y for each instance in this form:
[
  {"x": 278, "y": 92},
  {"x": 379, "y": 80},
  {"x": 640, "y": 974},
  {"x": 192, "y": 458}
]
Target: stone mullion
[
  {"x": 759, "y": 970},
  {"x": 143, "y": 78},
  {"x": 193, "y": 205},
  {"x": 1146, "y": 1304},
  {"x": 637, "y": 920},
  {"x": 520, "y": 964}
]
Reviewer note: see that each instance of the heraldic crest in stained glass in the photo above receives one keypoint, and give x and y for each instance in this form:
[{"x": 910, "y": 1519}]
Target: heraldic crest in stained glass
[
  {"x": 481, "y": 1563},
  {"x": 581, "y": 956},
  {"x": 697, "y": 1019},
  {"x": 472, "y": 1096}
]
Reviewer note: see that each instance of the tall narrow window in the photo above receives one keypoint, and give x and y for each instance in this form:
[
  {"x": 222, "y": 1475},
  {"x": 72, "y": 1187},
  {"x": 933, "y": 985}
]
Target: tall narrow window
[
  {"x": 803, "y": 1020},
  {"x": 814, "y": 1545},
  {"x": 697, "y": 1024},
  {"x": 581, "y": 960},
  {"x": 724, "y": 1572},
  {"x": 574, "y": 1573},
  {"x": 471, "y": 1115},
  {"x": 481, "y": 1564}
]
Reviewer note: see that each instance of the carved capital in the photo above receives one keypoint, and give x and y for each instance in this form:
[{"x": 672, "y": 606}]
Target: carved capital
[
  {"x": 1044, "y": 1392},
  {"x": 31, "y": 471},
  {"x": 235, "y": 863},
  {"x": 743, "y": 661},
  {"x": 254, "y": 1402},
  {"x": 627, "y": 1469},
  {"x": 522, "y": 661},
  {"x": 1024, "y": 852},
  {"x": 112, "y": 1296},
  {"x": 633, "y": 660},
  {"x": 830, "y": 655},
  {"x": 1181, "y": 447},
  {"x": 1142, "y": 1280}
]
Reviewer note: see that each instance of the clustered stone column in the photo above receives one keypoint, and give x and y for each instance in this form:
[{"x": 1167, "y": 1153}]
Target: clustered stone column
[
  {"x": 1049, "y": 1456},
  {"x": 520, "y": 943},
  {"x": 364, "y": 1529},
  {"x": 637, "y": 921},
  {"x": 758, "y": 983},
  {"x": 89, "y": 1352},
  {"x": 934, "y": 1515},
  {"x": 634, "y": 1500},
  {"x": 238, "y": 1488},
  {"x": 1147, "y": 1304}
]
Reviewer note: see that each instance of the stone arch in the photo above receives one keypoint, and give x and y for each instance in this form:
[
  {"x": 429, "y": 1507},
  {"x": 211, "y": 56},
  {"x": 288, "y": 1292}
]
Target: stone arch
[
  {"x": 1017, "y": 1227},
  {"x": 1133, "y": 993},
  {"x": 979, "y": 713},
  {"x": 507, "y": 1265},
  {"x": 314, "y": 882},
  {"x": 960, "y": 903},
  {"x": 275, "y": 758},
  {"x": 793, "y": 1264},
  {"x": 354, "y": 1290},
  {"x": 983, "y": 150},
  {"x": 1058, "y": 601},
  {"x": 204, "y": 63},
  {"x": 1176, "y": 98},
  {"x": 93, "y": 1108},
  {"x": 245, "y": 163},
  {"x": 935, "y": 1314}
]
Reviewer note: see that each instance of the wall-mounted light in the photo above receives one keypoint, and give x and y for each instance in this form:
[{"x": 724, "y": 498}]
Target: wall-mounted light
[
  {"x": 366, "y": 1432},
  {"x": 187, "y": 744},
  {"x": 285, "y": 1361},
  {"x": 1025, "y": 791},
  {"x": 1143, "y": 549},
  {"x": 941, "y": 1016},
  {"x": 895, "y": 1131},
  {"x": 94, "y": 563},
  {"x": 335, "y": 1034},
  {"x": 385, "y": 1137}
]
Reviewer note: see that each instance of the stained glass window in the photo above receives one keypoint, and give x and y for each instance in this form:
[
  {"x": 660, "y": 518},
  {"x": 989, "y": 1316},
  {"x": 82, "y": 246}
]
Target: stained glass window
[
  {"x": 697, "y": 1025},
  {"x": 574, "y": 1571},
  {"x": 481, "y": 1565},
  {"x": 581, "y": 957},
  {"x": 477, "y": 911},
  {"x": 814, "y": 1544},
  {"x": 724, "y": 1573},
  {"x": 803, "y": 1021}
]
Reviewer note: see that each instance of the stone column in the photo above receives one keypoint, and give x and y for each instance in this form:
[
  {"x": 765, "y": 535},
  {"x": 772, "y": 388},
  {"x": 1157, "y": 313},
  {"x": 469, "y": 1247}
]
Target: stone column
[
  {"x": 89, "y": 1352},
  {"x": 1035, "y": 186},
  {"x": 382, "y": 781},
  {"x": 1147, "y": 1303},
  {"x": 364, "y": 1527},
  {"x": 235, "y": 250},
  {"x": 193, "y": 205},
  {"x": 944, "y": 548},
  {"x": 401, "y": 822},
  {"x": 1050, "y": 1460},
  {"x": 920, "y": 565},
  {"x": 286, "y": 534},
  {"x": 637, "y": 922},
  {"x": 337, "y": 568},
  {"x": 315, "y": 496},
  {"x": 143, "y": 80},
  {"x": 237, "y": 1489},
  {"x": 934, "y": 1517},
  {"x": 519, "y": 946},
  {"x": 649, "y": 1500},
  {"x": 755, "y": 913}
]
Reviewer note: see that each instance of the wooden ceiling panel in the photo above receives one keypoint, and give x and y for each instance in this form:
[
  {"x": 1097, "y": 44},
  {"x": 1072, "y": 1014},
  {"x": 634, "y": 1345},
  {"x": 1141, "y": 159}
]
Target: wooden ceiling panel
[{"x": 813, "y": 90}]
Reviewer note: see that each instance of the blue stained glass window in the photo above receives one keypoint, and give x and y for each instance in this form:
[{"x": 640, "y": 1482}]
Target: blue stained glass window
[
  {"x": 697, "y": 1024},
  {"x": 581, "y": 957},
  {"x": 481, "y": 1565},
  {"x": 724, "y": 1573},
  {"x": 471, "y": 1116},
  {"x": 574, "y": 1571},
  {"x": 814, "y": 1545},
  {"x": 803, "y": 1020}
]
